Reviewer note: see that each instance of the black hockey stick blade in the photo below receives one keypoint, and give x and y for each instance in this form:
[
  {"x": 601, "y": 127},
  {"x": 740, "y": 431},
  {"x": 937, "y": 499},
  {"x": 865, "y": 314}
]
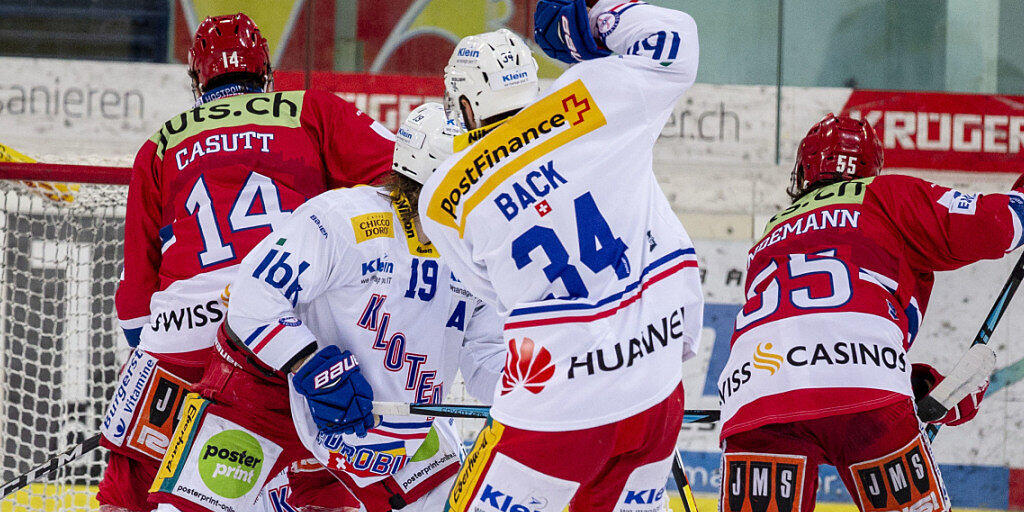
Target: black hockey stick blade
[
  {"x": 50, "y": 466},
  {"x": 991, "y": 321}
]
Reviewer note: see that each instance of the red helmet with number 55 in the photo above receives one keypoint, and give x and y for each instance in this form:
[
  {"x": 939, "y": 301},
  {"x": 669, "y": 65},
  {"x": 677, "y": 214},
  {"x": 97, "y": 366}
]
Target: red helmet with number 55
[
  {"x": 227, "y": 44},
  {"x": 837, "y": 148}
]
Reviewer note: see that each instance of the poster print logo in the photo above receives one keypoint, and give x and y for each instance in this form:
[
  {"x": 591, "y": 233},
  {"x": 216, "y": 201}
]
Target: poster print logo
[{"x": 526, "y": 365}]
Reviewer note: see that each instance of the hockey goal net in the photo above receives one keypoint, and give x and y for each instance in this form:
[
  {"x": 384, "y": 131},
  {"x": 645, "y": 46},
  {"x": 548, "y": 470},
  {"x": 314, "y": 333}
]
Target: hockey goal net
[{"x": 60, "y": 344}]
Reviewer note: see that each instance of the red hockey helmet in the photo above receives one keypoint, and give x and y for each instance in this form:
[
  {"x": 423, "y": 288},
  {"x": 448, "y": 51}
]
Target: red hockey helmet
[
  {"x": 227, "y": 44},
  {"x": 836, "y": 148}
]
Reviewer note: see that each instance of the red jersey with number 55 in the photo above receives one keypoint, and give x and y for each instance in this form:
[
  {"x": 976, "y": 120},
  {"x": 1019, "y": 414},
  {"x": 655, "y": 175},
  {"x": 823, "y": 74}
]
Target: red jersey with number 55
[
  {"x": 213, "y": 182},
  {"x": 836, "y": 289}
]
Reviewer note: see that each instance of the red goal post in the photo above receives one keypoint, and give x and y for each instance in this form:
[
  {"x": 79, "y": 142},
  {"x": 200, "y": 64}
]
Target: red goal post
[{"x": 65, "y": 173}]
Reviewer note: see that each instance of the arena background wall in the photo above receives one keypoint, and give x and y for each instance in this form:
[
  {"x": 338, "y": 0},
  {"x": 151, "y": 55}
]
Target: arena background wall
[{"x": 724, "y": 161}]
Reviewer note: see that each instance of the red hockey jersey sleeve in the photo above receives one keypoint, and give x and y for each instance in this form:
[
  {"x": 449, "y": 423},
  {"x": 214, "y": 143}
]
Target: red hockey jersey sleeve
[
  {"x": 143, "y": 220},
  {"x": 944, "y": 228},
  {"x": 356, "y": 149}
]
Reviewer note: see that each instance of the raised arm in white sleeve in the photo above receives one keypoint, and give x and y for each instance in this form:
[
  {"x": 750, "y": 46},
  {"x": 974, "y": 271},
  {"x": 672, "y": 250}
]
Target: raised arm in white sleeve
[
  {"x": 660, "y": 44},
  {"x": 482, "y": 357},
  {"x": 285, "y": 272}
]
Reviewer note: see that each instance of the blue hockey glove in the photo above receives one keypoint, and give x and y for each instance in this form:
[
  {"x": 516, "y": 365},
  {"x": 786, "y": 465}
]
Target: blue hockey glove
[
  {"x": 562, "y": 29},
  {"x": 340, "y": 399}
]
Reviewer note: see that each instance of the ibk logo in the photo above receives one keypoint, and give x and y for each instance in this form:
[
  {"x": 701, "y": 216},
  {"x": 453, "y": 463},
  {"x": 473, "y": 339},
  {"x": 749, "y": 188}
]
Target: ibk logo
[{"x": 526, "y": 365}]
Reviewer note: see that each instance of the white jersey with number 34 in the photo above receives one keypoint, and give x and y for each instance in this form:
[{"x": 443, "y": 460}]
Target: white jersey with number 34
[{"x": 555, "y": 216}]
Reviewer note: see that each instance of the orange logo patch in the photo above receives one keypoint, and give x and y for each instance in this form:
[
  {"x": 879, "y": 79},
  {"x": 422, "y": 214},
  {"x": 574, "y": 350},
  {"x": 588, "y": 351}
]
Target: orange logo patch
[
  {"x": 904, "y": 480},
  {"x": 159, "y": 414},
  {"x": 763, "y": 482}
]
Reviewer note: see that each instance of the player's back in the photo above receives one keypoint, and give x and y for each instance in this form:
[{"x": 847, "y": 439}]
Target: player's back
[
  {"x": 836, "y": 289},
  {"x": 560, "y": 201},
  {"x": 231, "y": 169},
  {"x": 555, "y": 215},
  {"x": 213, "y": 182}
]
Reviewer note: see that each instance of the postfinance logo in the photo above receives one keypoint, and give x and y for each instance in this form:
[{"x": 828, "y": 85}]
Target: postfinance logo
[
  {"x": 768, "y": 361},
  {"x": 554, "y": 121},
  {"x": 230, "y": 463}
]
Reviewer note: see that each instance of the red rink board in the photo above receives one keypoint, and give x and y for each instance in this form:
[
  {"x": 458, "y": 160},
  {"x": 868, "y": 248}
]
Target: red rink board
[{"x": 941, "y": 131}]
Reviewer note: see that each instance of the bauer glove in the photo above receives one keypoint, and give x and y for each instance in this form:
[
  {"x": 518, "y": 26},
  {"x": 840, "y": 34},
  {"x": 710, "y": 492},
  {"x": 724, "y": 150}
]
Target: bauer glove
[
  {"x": 340, "y": 400},
  {"x": 562, "y": 30},
  {"x": 924, "y": 378}
]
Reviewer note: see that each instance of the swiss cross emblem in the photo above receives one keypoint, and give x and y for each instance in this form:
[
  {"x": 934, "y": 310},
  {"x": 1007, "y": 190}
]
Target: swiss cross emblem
[{"x": 543, "y": 208}]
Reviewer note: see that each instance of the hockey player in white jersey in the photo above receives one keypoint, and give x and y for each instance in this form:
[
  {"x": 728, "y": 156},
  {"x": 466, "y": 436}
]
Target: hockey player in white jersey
[
  {"x": 345, "y": 303},
  {"x": 551, "y": 210}
]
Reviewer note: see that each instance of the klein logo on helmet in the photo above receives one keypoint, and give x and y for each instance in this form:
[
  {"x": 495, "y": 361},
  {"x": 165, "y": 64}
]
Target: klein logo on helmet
[
  {"x": 526, "y": 365},
  {"x": 466, "y": 52},
  {"x": 330, "y": 376},
  {"x": 764, "y": 360}
]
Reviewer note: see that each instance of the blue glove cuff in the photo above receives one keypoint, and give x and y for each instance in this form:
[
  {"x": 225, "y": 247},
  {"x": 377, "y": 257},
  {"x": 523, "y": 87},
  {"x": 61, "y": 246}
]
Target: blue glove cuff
[{"x": 562, "y": 30}]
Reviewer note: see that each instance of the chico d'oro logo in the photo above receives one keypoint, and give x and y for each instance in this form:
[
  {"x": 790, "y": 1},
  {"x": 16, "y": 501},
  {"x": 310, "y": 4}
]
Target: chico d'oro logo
[{"x": 230, "y": 463}]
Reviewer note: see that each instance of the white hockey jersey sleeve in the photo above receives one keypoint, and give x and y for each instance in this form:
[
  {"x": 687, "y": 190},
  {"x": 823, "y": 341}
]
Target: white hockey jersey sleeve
[
  {"x": 290, "y": 268},
  {"x": 658, "y": 50},
  {"x": 482, "y": 358}
]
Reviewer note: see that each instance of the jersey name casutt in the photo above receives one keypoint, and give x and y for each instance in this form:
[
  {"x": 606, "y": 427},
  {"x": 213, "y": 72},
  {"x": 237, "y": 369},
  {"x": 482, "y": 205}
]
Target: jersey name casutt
[
  {"x": 343, "y": 271},
  {"x": 211, "y": 184},
  {"x": 836, "y": 289},
  {"x": 555, "y": 216}
]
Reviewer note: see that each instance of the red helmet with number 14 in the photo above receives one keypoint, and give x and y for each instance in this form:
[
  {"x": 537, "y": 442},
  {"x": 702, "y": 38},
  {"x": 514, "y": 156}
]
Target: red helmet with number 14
[
  {"x": 227, "y": 44},
  {"x": 837, "y": 148}
]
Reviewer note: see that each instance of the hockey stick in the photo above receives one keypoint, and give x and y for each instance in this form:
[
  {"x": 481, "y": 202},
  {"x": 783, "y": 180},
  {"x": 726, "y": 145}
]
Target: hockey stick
[
  {"x": 50, "y": 466},
  {"x": 982, "y": 338},
  {"x": 483, "y": 411}
]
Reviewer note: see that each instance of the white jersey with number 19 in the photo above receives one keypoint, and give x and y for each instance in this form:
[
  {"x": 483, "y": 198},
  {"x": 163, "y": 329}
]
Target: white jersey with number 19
[{"x": 555, "y": 216}]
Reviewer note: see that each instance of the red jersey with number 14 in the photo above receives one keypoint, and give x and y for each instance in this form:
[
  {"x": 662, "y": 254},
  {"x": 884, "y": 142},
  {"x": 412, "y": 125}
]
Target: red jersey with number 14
[
  {"x": 836, "y": 289},
  {"x": 211, "y": 184}
]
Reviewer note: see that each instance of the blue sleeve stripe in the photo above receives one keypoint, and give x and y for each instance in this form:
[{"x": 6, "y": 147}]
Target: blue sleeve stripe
[
  {"x": 133, "y": 335},
  {"x": 252, "y": 337},
  {"x": 1017, "y": 208}
]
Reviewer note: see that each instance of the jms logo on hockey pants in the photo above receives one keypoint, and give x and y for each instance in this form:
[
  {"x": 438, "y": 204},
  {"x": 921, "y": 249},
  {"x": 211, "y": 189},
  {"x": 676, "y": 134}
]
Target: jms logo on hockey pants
[
  {"x": 905, "y": 480},
  {"x": 759, "y": 482}
]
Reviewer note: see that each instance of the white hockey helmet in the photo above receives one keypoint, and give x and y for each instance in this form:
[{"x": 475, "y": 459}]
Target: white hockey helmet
[
  {"x": 423, "y": 141},
  {"x": 495, "y": 71}
]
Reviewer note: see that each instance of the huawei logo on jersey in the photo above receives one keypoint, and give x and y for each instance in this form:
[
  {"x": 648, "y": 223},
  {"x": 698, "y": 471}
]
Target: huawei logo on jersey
[{"x": 526, "y": 365}]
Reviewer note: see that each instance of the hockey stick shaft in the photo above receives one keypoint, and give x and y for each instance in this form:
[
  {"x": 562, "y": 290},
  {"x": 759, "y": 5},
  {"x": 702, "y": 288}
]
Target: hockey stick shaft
[
  {"x": 50, "y": 466},
  {"x": 483, "y": 411},
  {"x": 683, "y": 484},
  {"x": 992, "y": 320}
]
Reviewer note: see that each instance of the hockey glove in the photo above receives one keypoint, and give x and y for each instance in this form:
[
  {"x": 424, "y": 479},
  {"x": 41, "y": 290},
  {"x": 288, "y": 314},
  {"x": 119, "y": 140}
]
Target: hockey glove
[
  {"x": 924, "y": 378},
  {"x": 562, "y": 30},
  {"x": 340, "y": 400}
]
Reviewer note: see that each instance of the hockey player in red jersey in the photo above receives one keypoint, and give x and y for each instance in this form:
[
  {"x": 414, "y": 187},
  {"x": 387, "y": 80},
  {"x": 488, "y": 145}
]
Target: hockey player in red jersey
[
  {"x": 836, "y": 289},
  {"x": 205, "y": 189}
]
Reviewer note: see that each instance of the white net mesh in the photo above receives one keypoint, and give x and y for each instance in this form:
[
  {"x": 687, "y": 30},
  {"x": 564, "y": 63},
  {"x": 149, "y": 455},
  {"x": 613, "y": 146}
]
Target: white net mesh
[{"x": 60, "y": 345}]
